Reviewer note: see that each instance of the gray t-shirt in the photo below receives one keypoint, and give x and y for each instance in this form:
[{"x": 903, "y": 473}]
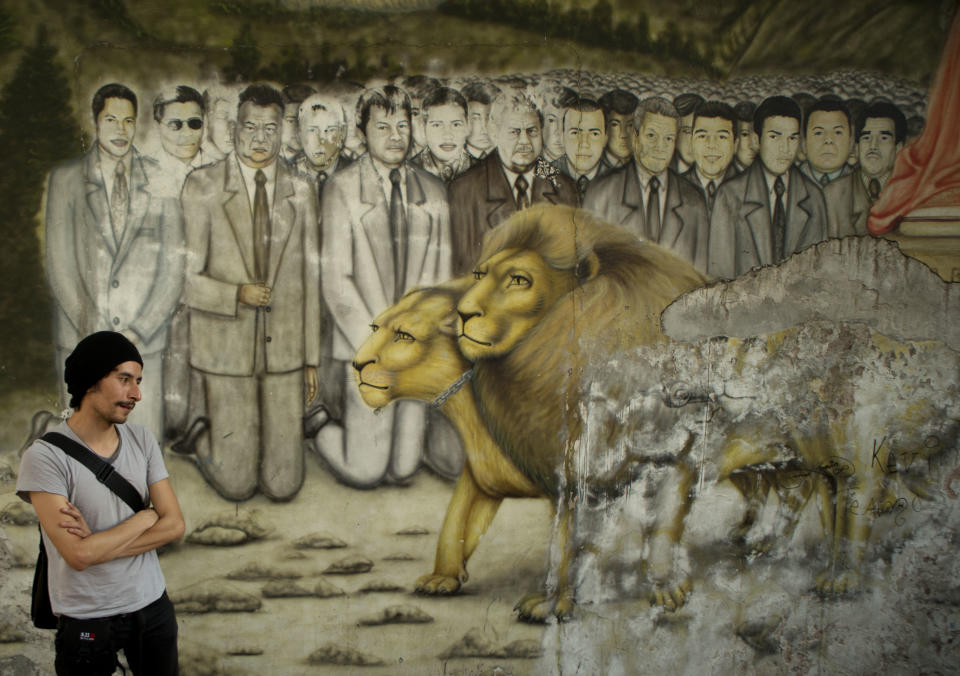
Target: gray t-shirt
[{"x": 123, "y": 585}]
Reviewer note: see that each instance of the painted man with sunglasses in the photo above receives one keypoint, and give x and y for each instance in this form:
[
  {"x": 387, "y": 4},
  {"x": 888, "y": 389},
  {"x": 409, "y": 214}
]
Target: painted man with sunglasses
[
  {"x": 178, "y": 113},
  {"x": 114, "y": 246}
]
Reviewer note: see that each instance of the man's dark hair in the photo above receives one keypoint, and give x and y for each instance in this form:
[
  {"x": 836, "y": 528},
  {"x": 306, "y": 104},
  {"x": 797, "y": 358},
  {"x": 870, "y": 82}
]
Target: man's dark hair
[
  {"x": 888, "y": 110},
  {"x": 687, "y": 103},
  {"x": 114, "y": 90},
  {"x": 443, "y": 96},
  {"x": 479, "y": 91},
  {"x": 389, "y": 97},
  {"x": 804, "y": 100},
  {"x": 776, "y": 106},
  {"x": 585, "y": 105},
  {"x": 180, "y": 94},
  {"x": 915, "y": 125},
  {"x": 716, "y": 109},
  {"x": 262, "y": 95},
  {"x": 744, "y": 111},
  {"x": 296, "y": 93},
  {"x": 826, "y": 104},
  {"x": 618, "y": 101},
  {"x": 420, "y": 86}
]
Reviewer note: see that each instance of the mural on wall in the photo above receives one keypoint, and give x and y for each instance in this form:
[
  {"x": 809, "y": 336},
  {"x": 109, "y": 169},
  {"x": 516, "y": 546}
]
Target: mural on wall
[{"x": 683, "y": 276}]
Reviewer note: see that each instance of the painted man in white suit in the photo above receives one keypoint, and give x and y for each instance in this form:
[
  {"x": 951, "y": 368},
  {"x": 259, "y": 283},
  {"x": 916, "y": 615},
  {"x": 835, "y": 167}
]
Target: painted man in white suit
[
  {"x": 385, "y": 230},
  {"x": 253, "y": 289},
  {"x": 114, "y": 246}
]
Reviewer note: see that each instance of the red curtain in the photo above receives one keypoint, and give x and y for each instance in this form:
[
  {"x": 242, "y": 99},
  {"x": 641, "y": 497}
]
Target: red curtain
[{"x": 931, "y": 164}]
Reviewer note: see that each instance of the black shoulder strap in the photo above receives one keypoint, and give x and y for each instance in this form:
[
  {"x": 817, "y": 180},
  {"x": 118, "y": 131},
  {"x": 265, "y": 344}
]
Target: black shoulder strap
[{"x": 101, "y": 469}]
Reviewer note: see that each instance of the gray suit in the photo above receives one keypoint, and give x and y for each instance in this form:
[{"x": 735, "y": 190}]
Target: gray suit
[
  {"x": 252, "y": 359},
  {"x": 848, "y": 206},
  {"x": 618, "y": 198},
  {"x": 359, "y": 283},
  {"x": 741, "y": 234},
  {"x": 100, "y": 284}
]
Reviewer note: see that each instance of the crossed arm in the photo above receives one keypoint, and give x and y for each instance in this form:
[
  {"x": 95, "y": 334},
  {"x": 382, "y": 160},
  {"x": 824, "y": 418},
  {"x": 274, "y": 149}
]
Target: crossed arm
[{"x": 142, "y": 532}]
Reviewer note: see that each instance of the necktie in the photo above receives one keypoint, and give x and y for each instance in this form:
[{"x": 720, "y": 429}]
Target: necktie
[
  {"x": 582, "y": 184},
  {"x": 824, "y": 179},
  {"x": 711, "y": 194},
  {"x": 523, "y": 200},
  {"x": 321, "y": 179},
  {"x": 261, "y": 227},
  {"x": 398, "y": 222},
  {"x": 653, "y": 210},
  {"x": 118, "y": 202},
  {"x": 446, "y": 172},
  {"x": 873, "y": 190},
  {"x": 779, "y": 221}
]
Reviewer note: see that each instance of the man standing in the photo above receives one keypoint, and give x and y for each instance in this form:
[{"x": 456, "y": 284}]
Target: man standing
[
  {"x": 686, "y": 105},
  {"x": 584, "y": 141},
  {"x": 444, "y": 113},
  {"x": 293, "y": 96},
  {"x": 322, "y": 123},
  {"x": 104, "y": 578},
  {"x": 648, "y": 198},
  {"x": 772, "y": 210},
  {"x": 253, "y": 289},
  {"x": 553, "y": 100},
  {"x": 114, "y": 245},
  {"x": 506, "y": 181},
  {"x": 479, "y": 96},
  {"x": 713, "y": 147},
  {"x": 748, "y": 143},
  {"x": 386, "y": 229},
  {"x": 618, "y": 106},
  {"x": 826, "y": 141},
  {"x": 881, "y": 130}
]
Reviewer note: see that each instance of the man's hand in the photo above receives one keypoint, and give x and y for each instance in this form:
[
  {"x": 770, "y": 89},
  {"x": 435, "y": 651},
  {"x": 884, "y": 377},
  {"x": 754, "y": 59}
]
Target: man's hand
[
  {"x": 312, "y": 384},
  {"x": 75, "y": 523},
  {"x": 256, "y": 295}
]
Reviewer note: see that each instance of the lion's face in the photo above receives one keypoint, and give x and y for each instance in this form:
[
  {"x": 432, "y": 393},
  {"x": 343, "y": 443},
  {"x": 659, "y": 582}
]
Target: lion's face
[
  {"x": 514, "y": 289},
  {"x": 411, "y": 352}
]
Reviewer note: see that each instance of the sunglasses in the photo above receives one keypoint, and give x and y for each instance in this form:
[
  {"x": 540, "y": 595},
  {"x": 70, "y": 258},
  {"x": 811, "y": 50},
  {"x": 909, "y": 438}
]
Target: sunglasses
[{"x": 193, "y": 123}]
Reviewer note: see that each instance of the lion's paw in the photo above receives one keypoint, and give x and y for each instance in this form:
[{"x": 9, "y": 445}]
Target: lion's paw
[
  {"x": 831, "y": 583},
  {"x": 538, "y": 607},
  {"x": 437, "y": 585},
  {"x": 671, "y": 597}
]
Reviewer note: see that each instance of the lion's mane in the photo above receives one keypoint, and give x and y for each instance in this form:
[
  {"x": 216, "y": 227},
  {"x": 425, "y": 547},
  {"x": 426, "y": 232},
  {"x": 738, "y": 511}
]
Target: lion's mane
[{"x": 530, "y": 397}]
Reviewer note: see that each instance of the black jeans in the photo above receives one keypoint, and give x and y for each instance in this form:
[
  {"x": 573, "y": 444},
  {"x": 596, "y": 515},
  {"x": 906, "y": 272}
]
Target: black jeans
[{"x": 148, "y": 637}]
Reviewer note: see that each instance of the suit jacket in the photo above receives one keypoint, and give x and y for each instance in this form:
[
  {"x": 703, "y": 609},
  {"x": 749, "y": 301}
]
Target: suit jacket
[
  {"x": 694, "y": 178},
  {"x": 358, "y": 266},
  {"x": 740, "y": 229},
  {"x": 618, "y": 198},
  {"x": 848, "y": 206},
  {"x": 97, "y": 283},
  {"x": 807, "y": 170},
  {"x": 220, "y": 258},
  {"x": 482, "y": 198}
]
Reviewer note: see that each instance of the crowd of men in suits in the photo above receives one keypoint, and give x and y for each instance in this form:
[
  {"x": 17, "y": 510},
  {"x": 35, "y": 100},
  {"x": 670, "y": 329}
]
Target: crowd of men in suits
[{"x": 248, "y": 258}]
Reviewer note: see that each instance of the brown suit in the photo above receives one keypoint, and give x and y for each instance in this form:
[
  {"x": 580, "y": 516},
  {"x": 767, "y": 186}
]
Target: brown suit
[{"x": 481, "y": 199}]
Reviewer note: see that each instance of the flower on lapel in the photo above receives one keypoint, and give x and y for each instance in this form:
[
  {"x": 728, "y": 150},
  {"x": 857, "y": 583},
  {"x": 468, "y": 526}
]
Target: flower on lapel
[{"x": 546, "y": 171}]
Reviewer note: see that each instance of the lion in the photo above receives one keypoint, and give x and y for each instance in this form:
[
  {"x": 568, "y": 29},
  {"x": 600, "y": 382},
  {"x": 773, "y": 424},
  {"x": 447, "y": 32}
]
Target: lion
[
  {"x": 556, "y": 288},
  {"x": 412, "y": 354}
]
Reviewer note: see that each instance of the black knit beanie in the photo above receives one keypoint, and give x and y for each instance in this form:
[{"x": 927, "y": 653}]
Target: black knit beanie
[{"x": 93, "y": 358}]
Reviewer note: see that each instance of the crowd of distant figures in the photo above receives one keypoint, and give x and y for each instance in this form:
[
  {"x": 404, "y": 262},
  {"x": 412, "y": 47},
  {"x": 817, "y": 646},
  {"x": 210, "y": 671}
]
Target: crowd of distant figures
[{"x": 247, "y": 251}]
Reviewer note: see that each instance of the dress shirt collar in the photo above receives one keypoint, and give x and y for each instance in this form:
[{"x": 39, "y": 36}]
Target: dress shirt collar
[{"x": 250, "y": 181}]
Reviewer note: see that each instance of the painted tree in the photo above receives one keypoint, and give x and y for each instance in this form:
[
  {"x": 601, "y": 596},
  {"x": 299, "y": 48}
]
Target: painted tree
[{"x": 37, "y": 131}]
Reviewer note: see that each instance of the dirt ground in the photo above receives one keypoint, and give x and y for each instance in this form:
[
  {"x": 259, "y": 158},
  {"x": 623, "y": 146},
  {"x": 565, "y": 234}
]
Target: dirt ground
[{"x": 280, "y": 636}]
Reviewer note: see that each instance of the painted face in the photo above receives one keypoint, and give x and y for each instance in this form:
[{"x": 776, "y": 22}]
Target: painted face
[
  {"x": 619, "y": 135},
  {"x": 552, "y": 132},
  {"x": 291, "y": 136},
  {"x": 747, "y": 143},
  {"x": 713, "y": 146},
  {"x": 877, "y": 147},
  {"x": 584, "y": 138},
  {"x": 257, "y": 139},
  {"x": 116, "y": 126},
  {"x": 477, "y": 115},
  {"x": 654, "y": 142},
  {"x": 779, "y": 142},
  {"x": 221, "y": 126},
  {"x": 114, "y": 396},
  {"x": 827, "y": 144},
  {"x": 685, "y": 139},
  {"x": 417, "y": 122},
  {"x": 518, "y": 139},
  {"x": 388, "y": 136},
  {"x": 181, "y": 129},
  {"x": 322, "y": 137},
  {"x": 446, "y": 131}
]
